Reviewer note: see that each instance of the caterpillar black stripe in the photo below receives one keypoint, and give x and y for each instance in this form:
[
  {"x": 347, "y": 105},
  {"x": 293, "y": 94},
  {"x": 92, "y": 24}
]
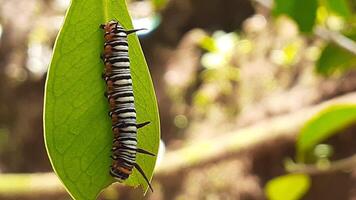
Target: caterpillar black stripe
[{"x": 120, "y": 96}]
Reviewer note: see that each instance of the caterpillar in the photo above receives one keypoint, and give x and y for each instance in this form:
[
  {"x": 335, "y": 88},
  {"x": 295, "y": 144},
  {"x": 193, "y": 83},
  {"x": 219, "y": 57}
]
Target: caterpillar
[{"x": 119, "y": 92}]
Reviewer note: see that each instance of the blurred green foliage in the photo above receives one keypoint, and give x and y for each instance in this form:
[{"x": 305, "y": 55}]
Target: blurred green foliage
[
  {"x": 322, "y": 126},
  {"x": 219, "y": 73},
  {"x": 339, "y": 7},
  {"x": 302, "y": 11},
  {"x": 310, "y": 150},
  {"x": 335, "y": 59},
  {"x": 335, "y": 15}
]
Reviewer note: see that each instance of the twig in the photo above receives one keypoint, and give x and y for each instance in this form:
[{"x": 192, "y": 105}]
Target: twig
[
  {"x": 339, "y": 165},
  {"x": 265, "y": 3},
  {"x": 29, "y": 184},
  {"x": 337, "y": 38}
]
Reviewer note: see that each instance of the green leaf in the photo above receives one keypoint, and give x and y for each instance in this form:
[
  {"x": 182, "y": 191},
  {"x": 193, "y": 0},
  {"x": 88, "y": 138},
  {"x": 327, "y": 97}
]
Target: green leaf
[
  {"x": 323, "y": 125},
  {"x": 288, "y": 187},
  {"x": 78, "y": 132},
  {"x": 334, "y": 58},
  {"x": 303, "y": 12},
  {"x": 340, "y": 7}
]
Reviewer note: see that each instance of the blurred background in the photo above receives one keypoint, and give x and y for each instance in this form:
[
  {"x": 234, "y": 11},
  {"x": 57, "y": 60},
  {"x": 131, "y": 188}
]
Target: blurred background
[{"x": 236, "y": 80}]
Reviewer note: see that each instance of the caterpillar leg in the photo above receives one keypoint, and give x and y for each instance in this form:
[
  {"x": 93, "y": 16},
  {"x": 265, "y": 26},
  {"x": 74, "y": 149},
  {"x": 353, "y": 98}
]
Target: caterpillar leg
[
  {"x": 102, "y": 26},
  {"x": 142, "y": 124},
  {"x": 143, "y": 174},
  {"x": 134, "y": 30},
  {"x": 103, "y": 75},
  {"x": 138, "y": 150},
  {"x": 144, "y": 152},
  {"x": 102, "y": 57}
]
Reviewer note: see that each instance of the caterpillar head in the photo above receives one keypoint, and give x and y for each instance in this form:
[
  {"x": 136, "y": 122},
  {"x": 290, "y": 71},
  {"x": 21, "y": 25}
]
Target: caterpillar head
[{"x": 109, "y": 26}]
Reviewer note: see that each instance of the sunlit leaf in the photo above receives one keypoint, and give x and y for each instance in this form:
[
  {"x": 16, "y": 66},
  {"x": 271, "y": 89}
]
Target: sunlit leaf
[
  {"x": 302, "y": 11},
  {"x": 288, "y": 187},
  {"x": 325, "y": 124},
  {"x": 77, "y": 127}
]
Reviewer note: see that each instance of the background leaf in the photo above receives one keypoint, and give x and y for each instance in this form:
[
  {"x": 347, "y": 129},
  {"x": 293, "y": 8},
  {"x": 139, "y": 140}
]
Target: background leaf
[
  {"x": 340, "y": 7},
  {"x": 77, "y": 127},
  {"x": 288, "y": 187},
  {"x": 334, "y": 58},
  {"x": 324, "y": 125},
  {"x": 303, "y": 12}
]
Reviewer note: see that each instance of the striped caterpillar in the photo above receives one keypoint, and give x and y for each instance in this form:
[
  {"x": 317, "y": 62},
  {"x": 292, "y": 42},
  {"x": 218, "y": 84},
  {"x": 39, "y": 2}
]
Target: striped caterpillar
[{"x": 120, "y": 96}]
